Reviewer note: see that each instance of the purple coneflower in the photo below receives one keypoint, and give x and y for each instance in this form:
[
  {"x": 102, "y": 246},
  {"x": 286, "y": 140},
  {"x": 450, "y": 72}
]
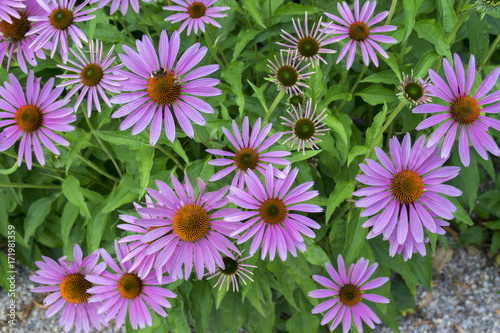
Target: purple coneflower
[
  {"x": 306, "y": 126},
  {"x": 249, "y": 152},
  {"x": 296, "y": 99},
  {"x": 127, "y": 290},
  {"x": 57, "y": 21},
  {"x": 187, "y": 227},
  {"x": 93, "y": 75},
  {"x": 195, "y": 14},
  {"x": 269, "y": 213},
  {"x": 462, "y": 111},
  {"x": 358, "y": 29},
  {"x": 408, "y": 190},
  {"x": 308, "y": 46},
  {"x": 123, "y": 4},
  {"x": 158, "y": 87},
  {"x": 346, "y": 291},
  {"x": 143, "y": 263},
  {"x": 415, "y": 90},
  {"x": 14, "y": 37},
  {"x": 33, "y": 117},
  {"x": 287, "y": 74},
  {"x": 233, "y": 269},
  {"x": 70, "y": 290},
  {"x": 9, "y": 9}
]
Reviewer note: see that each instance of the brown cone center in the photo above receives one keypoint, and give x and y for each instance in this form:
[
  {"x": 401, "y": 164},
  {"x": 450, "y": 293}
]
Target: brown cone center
[
  {"x": 74, "y": 288},
  {"x": 16, "y": 30},
  {"x": 464, "y": 110},
  {"x": 359, "y": 31},
  {"x": 407, "y": 186},
  {"x": 191, "y": 222},
  {"x": 273, "y": 211},
  {"x": 61, "y": 18},
  {"x": 29, "y": 118}
]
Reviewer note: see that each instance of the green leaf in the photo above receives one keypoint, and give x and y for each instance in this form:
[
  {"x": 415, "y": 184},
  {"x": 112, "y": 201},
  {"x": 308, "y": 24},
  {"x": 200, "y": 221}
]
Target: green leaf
[
  {"x": 387, "y": 77},
  {"x": 95, "y": 230},
  {"x": 393, "y": 64},
  {"x": 376, "y": 127},
  {"x": 446, "y": 15},
  {"x": 145, "y": 158},
  {"x": 422, "y": 268},
  {"x": 77, "y": 143},
  {"x": 177, "y": 317},
  {"x": 123, "y": 138},
  {"x": 314, "y": 254},
  {"x": 355, "y": 238},
  {"x": 4, "y": 275},
  {"x": 298, "y": 268},
  {"x": 356, "y": 151},
  {"x": 122, "y": 194},
  {"x": 410, "y": 12},
  {"x": 259, "y": 94},
  {"x": 285, "y": 284},
  {"x": 468, "y": 180},
  {"x": 232, "y": 75},
  {"x": 478, "y": 33},
  {"x": 68, "y": 218},
  {"x": 201, "y": 304},
  {"x": 292, "y": 8},
  {"x": 177, "y": 147},
  {"x": 244, "y": 37},
  {"x": 300, "y": 156},
  {"x": 341, "y": 192},
  {"x": 254, "y": 10},
  {"x": 37, "y": 213},
  {"x": 337, "y": 126},
  {"x": 302, "y": 322},
  {"x": 72, "y": 191},
  {"x": 432, "y": 32},
  {"x": 91, "y": 28},
  {"x": 425, "y": 62},
  {"x": 495, "y": 243},
  {"x": 461, "y": 215},
  {"x": 375, "y": 95}
]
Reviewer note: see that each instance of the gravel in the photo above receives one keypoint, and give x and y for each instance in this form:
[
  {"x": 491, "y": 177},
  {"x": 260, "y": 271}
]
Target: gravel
[{"x": 464, "y": 300}]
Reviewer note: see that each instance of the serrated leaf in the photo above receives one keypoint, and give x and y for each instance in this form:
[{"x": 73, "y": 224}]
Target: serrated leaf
[
  {"x": 337, "y": 126},
  {"x": 314, "y": 254},
  {"x": 259, "y": 94},
  {"x": 72, "y": 191},
  {"x": 68, "y": 218},
  {"x": 244, "y": 37},
  {"x": 145, "y": 159},
  {"x": 232, "y": 75},
  {"x": 37, "y": 213},
  {"x": 375, "y": 95},
  {"x": 432, "y": 32},
  {"x": 253, "y": 8},
  {"x": 341, "y": 192},
  {"x": 356, "y": 151}
]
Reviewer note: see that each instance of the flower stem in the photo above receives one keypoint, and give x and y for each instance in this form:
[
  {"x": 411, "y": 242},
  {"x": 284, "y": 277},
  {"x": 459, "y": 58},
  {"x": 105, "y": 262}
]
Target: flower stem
[
  {"x": 391, "y": 11},
  {"x": 461, "y": 21},
  {"x": 158, "y": 32},
  {"x": 360, "y": 76},
  {"x": 92, "y": 130},
  {"x": 96, "y": 168},
  {"x": 211, "y": 48},
  {"x": 21, "y": 185},
  {"x": 212, "y": 32},
  {"x": 458, "y": 7},
  {"x": 313, "y": 83},
  {"x": 274, "y": 105},
  {"x": 490, "y": 53},
  {"x": 169, "y": 155},
  {"x": 124, "y": 26},
  {"x": 198, "y": 136}
]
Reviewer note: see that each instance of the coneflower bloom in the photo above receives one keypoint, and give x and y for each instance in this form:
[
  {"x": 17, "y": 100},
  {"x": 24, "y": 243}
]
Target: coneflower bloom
[
  {"x": 407, "y": 190},
  {"x": 308, "y": 45},
  {"x": 33, "y": 117},
  {"x": 488, "y": 5},
  {"x": 296, "y": 99},
  {"x": 123, "y": 4},
  {"x": 287, "y": 74},
  {"x": 143, "y": 263},
  {"x": 157, "y": 87},
  {"x": 57, "y": 21},
  {"x": 195, "y": 14},
  {"x": 249, "y": 152},
  {"x": 414, "y": 90},
  {"x": 9, "y": 9},
  {"x": 14, "y": 37},
  {"x": 306, "y": 126},
  {"x": 269, "y": 216},
  {"x": 346, "y": 289},
  {"x": 94, "y": 76},
  {"x": 358, "y": 29},
  {"x": 69, "y": 290},
  {"x": 462, "y": 110},
  {"x": 188, "y": 227},
  {"x": 125, "y": 289},
  {"x": 233, "y": 269}
]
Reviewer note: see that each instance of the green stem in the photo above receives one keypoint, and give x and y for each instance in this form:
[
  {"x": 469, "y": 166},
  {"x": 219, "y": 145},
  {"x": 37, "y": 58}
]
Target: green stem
[
  {"x": 21, "y": 185},
  {"x": 274, "y": 105},
  {"x": 391, "y": 12},
  {"x": 313, "y": 84},
  {"x": 96, "y": 168},
  {"x": 92, "y": 130},
  {"x": 124, "y": 26},
  {"x": 461, "y": 21},
  {"x": 458, "y": 7},
  {"x": 158, "y": 32},
  {"x": 212, "y": 32},
  {"x": 144, "y": 28},
  {"x": 490, "y": 53},
  {"x": 198, "y": 136},
  {"x": 360, "y": 76},
  {"x": 212, "y": 51},
  {"x": 402, "y": 53}
]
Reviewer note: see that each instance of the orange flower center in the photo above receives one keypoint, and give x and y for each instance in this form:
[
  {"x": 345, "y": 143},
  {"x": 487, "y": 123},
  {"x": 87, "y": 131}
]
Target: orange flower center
[
  {"x": 191, "y": 222},
  {"x": 74, "y": 288},
  {"x": 15, "y": 31},
  {"x": 464, "y": 110},
  {"x": 29, "y": 118},
  {"x": 246, "y": 158},
  {"x": 61, "y": 18},
  {"x": 91, "y": 75},
  {"x": 163, "y": 88},
  {"x": 129, "y": 285},
  {"x": 359, "y": 31},
  {"x": 273, "y": 211},
  {"x": 350, "y": 295},
  {"x": 196, "y": 10},
  {"x": 407, "y": 186}
]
